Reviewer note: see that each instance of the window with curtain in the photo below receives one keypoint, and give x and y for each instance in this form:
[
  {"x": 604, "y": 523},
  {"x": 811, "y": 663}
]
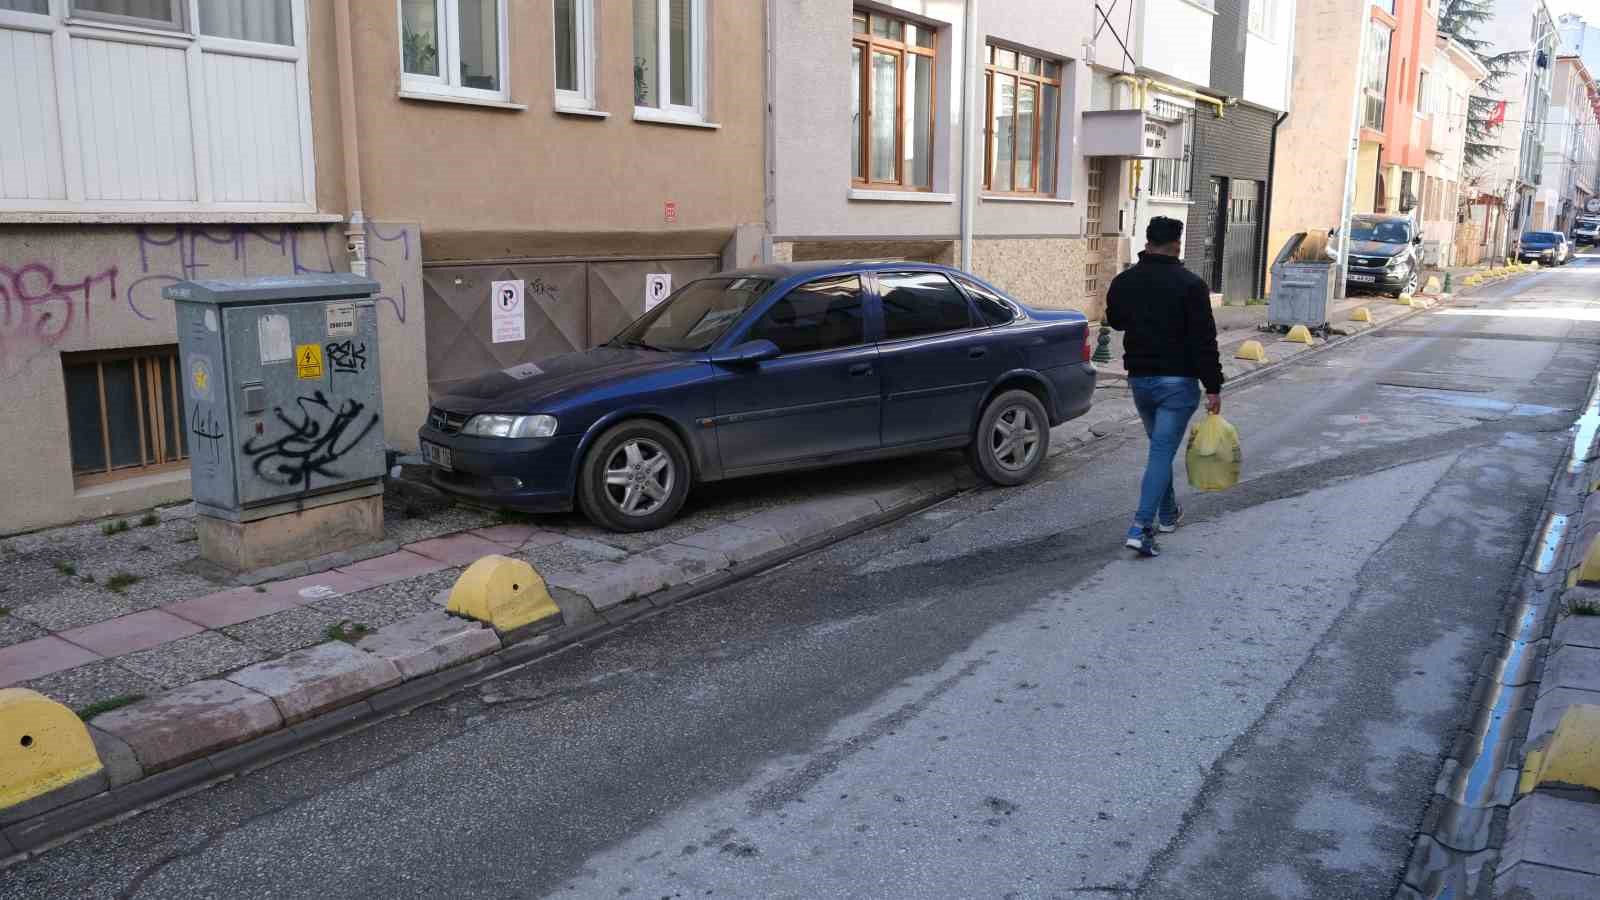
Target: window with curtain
[
  {"x": 263, "y": 21},
  {"x": 154, "y": 13},
  {"x": 1024, "y": 102},
  {"x": 454, "y": 47},
  {"x": 892, "y": 110},
  {"x": 669, "y": 56}
]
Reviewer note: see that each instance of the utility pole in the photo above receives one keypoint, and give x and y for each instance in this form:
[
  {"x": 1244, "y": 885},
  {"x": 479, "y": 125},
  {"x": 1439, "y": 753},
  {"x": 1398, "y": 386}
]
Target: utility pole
[{"x": 1347, "y": 207}]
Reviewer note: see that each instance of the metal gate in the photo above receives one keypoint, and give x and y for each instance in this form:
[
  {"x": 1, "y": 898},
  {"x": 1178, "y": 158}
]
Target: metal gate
[
  {"x": 1237, "y": 218},
  {"x": 569, "y": 305}
]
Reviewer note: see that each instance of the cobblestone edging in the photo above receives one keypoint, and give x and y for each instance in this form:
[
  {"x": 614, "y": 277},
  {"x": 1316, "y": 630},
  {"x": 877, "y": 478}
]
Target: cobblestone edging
[{"x": 219, "y": 727}]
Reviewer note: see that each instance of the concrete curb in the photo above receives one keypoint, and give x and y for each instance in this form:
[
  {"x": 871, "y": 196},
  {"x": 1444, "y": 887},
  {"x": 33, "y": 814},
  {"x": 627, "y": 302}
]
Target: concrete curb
[
  {"x": 207, "y": 732},
  {"x": 1552, "y": 843}
]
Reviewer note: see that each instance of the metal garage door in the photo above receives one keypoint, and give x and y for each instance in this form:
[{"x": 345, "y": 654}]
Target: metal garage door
[{"x": 570, "y": 305}]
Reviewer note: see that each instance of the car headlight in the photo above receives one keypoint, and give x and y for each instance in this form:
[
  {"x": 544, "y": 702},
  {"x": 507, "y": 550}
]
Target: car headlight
[
  {"x": 1394, "y": 262},
  {"x": 493, "y": 425}
]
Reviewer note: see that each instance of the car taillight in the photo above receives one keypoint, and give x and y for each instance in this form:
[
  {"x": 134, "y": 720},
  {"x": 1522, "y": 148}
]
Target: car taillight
[{"x": 1088, "y": 343}]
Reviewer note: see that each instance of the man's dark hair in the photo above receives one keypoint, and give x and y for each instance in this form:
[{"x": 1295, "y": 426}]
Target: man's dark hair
[{"x": 1162, "y": 231}]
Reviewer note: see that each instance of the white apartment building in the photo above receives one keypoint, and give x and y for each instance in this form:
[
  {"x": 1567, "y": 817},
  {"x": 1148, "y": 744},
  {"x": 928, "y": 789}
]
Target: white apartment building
[{"x": 1571, "y": 138}]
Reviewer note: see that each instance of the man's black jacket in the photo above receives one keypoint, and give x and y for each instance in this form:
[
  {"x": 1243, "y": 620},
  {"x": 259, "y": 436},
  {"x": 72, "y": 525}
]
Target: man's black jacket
[{"x": 1165, "y": 312}]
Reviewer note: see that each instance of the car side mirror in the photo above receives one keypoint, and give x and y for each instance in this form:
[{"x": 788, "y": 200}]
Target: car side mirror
[
  {"x": 748, "y": 353},
  {"x": 1417, "y": 240}
]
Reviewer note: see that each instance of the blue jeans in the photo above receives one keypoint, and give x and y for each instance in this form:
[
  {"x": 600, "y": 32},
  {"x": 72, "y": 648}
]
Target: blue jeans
[{"x": 1165, "y": 404}]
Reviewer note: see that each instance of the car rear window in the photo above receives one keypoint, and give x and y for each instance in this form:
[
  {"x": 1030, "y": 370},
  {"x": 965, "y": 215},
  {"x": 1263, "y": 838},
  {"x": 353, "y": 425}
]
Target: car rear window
[
  {"x": 1539, "y": 237},
  {"x": 918, "y": 303}
]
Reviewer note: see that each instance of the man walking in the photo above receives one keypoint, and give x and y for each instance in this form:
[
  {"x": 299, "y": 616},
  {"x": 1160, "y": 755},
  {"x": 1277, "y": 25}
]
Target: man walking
[{"x": 1169, "y": 349}]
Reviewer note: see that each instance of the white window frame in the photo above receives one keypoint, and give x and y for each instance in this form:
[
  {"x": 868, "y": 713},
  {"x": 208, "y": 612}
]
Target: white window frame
[
  {"x": 1425, "y": 106},
  {"x": 448, "y": 82},
  {"x": 180, "y": 12},
  {"x": 63, "y": 25},
  {"x": 1263, "y": 18},
  {"x": 583, "y": 97},
  {"x": 667, "y": 111}
]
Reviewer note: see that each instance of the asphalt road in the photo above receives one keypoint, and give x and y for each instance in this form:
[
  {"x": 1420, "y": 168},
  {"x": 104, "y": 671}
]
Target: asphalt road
[{"x": 991, "y": 698}]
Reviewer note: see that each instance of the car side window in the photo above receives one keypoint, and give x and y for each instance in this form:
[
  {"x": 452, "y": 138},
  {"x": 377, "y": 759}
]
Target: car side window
[
  {"x": 919, "y": 303},
  {"x": 992, "y": 308},
  {"x": 819, "y": 315}
]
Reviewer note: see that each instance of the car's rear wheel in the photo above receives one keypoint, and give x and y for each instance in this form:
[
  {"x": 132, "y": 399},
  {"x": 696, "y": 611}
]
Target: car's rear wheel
[
  {"x": 635, "y": 477},
  {"x": 1012, "y": 440}
]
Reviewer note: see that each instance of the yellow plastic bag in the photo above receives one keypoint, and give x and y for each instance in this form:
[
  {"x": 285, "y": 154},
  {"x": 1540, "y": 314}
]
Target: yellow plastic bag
[{"x": 1214, "y": 455}]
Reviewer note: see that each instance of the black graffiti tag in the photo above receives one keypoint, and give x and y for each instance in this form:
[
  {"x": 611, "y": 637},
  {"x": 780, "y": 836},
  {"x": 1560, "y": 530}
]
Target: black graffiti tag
[
  {"x": 346, "y": 357},
  {"x": 208, "y": 429},
  {"x": 319, "y": 439}
]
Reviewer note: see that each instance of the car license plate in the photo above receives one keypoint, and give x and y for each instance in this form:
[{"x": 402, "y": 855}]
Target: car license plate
[
  {"x": 1364, "y": 279},
  {"x": 437, "y": 456}
]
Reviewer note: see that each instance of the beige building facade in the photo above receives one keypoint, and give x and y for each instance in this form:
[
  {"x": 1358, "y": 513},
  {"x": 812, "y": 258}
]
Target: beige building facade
[
  {"x": 1314, "y": 141},
  {"x": 574, "y": 147}
]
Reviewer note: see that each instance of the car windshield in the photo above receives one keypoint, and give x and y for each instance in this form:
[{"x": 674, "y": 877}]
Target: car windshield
[
  {"x": 695, "y": 315},
  {"x": 1541, "y": 237},
  {"x": 1383, "y": 232}
]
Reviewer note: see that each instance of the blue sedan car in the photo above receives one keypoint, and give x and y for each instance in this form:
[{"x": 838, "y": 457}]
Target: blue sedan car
[{"x": 765, "y": 370}]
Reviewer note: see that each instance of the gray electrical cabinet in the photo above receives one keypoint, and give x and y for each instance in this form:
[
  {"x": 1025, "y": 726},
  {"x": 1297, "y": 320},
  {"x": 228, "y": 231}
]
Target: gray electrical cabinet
[{"x": 281, "y": 389}]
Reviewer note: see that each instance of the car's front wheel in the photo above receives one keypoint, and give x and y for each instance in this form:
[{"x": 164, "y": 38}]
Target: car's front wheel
[
  {"x": 1013, "y": 439},
  {"x": 635, "y": 477},
  {"x": 1413, "y": 282}
]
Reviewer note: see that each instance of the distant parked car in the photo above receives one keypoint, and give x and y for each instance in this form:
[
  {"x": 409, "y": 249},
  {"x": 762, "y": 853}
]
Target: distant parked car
[
  {"x": 1586, "y": 231},
  {"x": 1385, "y": 254},
  {"x": 1549, "y": 248},
  {"x": 765, "y": 371}
]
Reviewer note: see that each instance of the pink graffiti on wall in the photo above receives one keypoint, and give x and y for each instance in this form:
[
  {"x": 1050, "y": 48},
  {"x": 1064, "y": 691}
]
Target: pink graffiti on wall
[{"x": 38, "y": 310}]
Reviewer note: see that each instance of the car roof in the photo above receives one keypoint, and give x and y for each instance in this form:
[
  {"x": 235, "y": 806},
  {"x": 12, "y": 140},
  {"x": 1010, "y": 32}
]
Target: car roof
[
  {"x": 1379, "y": 217},
  {"x": 784, "y": 271}
]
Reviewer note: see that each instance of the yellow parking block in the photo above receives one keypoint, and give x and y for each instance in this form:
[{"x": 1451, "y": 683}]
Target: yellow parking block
[
  {"x": 1433, "y": 286},
  {"x": 1252, "y": 350},
  {"x": 1403, "y": 300},
  {"x": 43, "y": 746},
  {"x": 1300, "y": 335},
  {"x": 504, "y": 593},
  {"x": 1361, "y": 314},
  {"x": 1588, "y": 570},
  {"x": 1571, "y": 758}
]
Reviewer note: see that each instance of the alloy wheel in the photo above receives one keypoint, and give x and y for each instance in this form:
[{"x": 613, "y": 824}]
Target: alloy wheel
[
  {"x": 639, "y": 477},
  {"x": 1014, "y": 440}
]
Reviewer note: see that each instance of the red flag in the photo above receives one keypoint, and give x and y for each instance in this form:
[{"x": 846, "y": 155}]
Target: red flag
[{"x": 1499, "y": 116}]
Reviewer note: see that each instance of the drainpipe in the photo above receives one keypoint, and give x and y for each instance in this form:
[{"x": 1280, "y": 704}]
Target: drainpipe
[
  {"x": 350, "y": 147},
  {"x": 769, "y": 201},
  {"x": 969, "y": 124},
  {"x": 1266, "y": 219},
  {"x": 1348, "y": 203}
]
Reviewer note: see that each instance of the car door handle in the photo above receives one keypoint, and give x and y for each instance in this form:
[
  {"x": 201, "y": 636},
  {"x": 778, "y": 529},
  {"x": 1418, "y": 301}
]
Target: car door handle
[
  {"x": 978, "y": 352},
  {"x": 861, "y": 369}
]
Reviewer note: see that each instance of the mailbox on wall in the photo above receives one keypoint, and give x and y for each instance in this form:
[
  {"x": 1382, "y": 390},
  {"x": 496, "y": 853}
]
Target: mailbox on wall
[{"x": 284, "y": 411}]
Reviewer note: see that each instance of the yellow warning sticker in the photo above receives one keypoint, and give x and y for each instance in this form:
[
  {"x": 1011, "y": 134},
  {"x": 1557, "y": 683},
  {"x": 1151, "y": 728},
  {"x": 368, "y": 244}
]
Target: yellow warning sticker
[{"x": 308, "y": 360}]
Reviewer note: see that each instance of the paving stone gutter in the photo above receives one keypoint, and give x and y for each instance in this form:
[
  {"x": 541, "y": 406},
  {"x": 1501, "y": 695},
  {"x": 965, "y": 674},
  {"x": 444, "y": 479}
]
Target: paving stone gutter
[{"x": 245, "y": 717}]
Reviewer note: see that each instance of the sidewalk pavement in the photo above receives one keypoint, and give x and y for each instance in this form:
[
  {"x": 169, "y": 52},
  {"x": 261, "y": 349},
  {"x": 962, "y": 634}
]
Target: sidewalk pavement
[{"x": 173, "y": 664}]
